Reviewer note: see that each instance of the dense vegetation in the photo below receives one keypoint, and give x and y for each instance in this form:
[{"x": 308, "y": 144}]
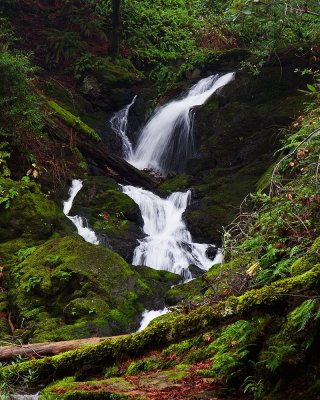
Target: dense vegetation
[{"x": 249, "y": 327}]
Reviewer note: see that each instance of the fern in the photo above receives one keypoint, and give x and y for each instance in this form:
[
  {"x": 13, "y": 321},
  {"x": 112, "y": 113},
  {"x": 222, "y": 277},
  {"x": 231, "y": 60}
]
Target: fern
[
  {"x": 277, "y": 354},
  {"x": 300, "y": 316},
  {"x": 232, "y": 348}
]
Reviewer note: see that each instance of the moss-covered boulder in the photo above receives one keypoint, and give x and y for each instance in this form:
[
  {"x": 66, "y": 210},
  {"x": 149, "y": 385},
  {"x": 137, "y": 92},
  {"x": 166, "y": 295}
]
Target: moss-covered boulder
[
  {"x": 67, "y": 288},
  {"x": 114, "y": 216},
  {"x": 26, "y": 211}
]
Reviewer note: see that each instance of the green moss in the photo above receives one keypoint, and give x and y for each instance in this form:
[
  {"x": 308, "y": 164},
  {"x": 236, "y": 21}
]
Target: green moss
[
  {"x": 67, "y": 288},
  {"x": 165, "y": 333},
  {"x": 73, "y": 121},
  {"x": 31, "y": 214},
  {"x": 176, "y": 184},
  {"x": 99, "y": 395},
  {"x": 75, "y": 294},
  {"x": 111, "y": 74},
  {"x": 215, "y": 281},
  {"x": 146, "y": 365},
  {"x": 179, "y": 348}
]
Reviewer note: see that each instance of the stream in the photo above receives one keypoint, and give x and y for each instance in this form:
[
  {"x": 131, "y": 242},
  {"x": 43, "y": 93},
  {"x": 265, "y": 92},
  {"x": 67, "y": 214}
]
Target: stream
[{"x": 164, "y": 144}]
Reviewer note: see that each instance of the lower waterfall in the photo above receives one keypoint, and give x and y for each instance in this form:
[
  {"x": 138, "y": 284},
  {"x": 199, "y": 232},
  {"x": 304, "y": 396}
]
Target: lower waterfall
[{"x": 169, "y": 244}]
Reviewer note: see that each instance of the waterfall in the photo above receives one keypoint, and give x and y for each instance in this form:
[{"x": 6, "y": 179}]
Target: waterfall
[
  {"x": 166, "y": 141},
  {"x": 84, "y": 231},
  {"x": 119, "y": 124},
  {"x": 169, "y": 244}
]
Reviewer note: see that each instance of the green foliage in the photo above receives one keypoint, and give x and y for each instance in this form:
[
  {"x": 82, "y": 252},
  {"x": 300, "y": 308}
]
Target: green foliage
[
  {"x": 62, "y": 47},
  {"x": 276, "y": 355},
  {"x": 62, "y": 275},
  {"x": 268, "y": 26},
  {"x": 250, "y": 384},
  {"x": 7, "y": 36},
  {"x": 31, "y": 283},
  {"x": 85, "y": 65},
  {"x": 313, "y": 89},
  {"x": 6, "y": 195},
  {"x": 4, "y": 155},
  {"x": 233, "y": 346},
  {"x": 21, "y": 112},
  {"x": 300, "y": 316},
  {"x": 22, "y": 254}
]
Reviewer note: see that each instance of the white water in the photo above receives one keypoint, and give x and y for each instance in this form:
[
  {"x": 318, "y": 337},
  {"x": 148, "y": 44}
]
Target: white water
[
  {"x": 169, "y": 244},
  {"x": 148, "y": 316},
  {"x": 166, "y": 141},
  {"x": 87, "y": 233},
  {"x": 119, "y": 124}
]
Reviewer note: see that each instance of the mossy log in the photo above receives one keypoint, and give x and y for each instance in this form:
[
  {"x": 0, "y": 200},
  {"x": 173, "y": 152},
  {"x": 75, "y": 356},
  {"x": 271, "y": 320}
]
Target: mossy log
[
  {"x": 38, "y": 350},
  {"x": 93, "y": 358},
  {"x": 73, "y": 121}
]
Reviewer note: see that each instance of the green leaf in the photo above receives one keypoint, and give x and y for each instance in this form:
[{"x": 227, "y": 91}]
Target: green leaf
[{"x": 311, "y": 87}]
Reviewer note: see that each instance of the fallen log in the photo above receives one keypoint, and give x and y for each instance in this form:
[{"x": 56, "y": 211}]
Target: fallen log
[
  {"x": 38, "y": 350},
  {"x": 101, "y": 160}
]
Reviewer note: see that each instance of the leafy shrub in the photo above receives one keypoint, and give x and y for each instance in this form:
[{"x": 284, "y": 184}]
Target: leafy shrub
[{"x": 20, "y": 107}]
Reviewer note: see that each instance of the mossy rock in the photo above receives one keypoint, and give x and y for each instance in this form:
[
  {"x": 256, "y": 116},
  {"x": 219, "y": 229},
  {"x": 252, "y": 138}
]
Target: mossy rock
[
  {"x": 160, "y": 282},
  {"x": 111, "y": 74},
  {"x": 67, "y": 288},
  {"x": 114, "y": 216},
  {"x": 31, "y": 214},
  {"x": 216, "y": 282}
]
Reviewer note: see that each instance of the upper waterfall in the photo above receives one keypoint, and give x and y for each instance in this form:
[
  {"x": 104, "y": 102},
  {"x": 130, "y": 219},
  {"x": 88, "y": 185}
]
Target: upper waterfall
[{"x": 166, "y": 141}]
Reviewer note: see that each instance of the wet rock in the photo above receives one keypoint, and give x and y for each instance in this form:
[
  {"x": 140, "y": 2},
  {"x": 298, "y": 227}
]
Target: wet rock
[
  {"x": 115, "y": 217},
  {"x": 195, "y": 271},
  {"x": 236, "y": 136}
]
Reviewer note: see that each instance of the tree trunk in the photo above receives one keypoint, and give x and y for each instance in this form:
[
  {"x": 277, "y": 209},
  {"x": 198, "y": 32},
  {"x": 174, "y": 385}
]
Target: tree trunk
[{"x": 116, "y": 23}]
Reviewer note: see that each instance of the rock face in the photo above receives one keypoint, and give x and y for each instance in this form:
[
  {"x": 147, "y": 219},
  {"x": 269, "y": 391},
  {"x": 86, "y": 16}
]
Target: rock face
[{"x": 235, "y": 136}]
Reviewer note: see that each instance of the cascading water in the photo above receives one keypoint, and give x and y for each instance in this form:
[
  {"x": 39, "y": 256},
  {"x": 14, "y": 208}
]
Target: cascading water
[
  {"x": 168, "y": 245},
  {"x": 119, "y": 124},
  {"x": 166, "y": 141},
  {"x": 84, "y": 231},
  {"x": 165, "y": 144}
]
